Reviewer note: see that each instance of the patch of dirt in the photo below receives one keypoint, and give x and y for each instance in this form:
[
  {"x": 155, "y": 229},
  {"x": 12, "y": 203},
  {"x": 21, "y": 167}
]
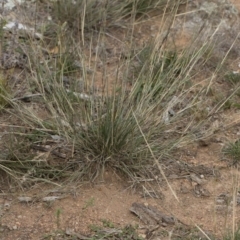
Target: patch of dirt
[
  {"x": 236, "y": 3},
  {"x": 89, "y": 206}
]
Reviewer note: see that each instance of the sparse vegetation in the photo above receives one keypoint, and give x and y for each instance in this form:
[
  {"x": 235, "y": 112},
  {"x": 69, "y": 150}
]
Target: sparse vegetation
[
  {"x": 4, "y": 92},
  {"x": 100, "y": 124},
  {"x": 232, "y": 150},
  {"x": 128, "y": 233},
  {"x": 233, "y": 236},
  {"x": 77, "y": 106},
  {"x": 232, "y": 77},
  {"x": 58, "y": 218},
  {"x": 89, "y": 203},
  {"x": 100, "y": 232}
]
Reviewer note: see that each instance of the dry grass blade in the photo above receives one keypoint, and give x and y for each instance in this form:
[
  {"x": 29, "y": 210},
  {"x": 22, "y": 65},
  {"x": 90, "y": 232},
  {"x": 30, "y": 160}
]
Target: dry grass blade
[
  {"x": 156, "y": 161},
  {"x": 200, "y": 229}
]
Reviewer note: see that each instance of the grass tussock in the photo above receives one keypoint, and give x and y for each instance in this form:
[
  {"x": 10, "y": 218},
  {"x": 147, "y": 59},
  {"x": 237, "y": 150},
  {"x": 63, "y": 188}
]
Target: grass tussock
[{"x": 83, "y": 121}]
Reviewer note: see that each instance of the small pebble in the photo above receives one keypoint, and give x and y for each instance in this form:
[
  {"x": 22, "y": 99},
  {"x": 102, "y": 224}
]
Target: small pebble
[{"x": 14, "y": 227}]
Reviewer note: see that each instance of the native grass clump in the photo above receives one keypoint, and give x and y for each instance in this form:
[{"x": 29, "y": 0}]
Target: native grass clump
[
  {"x": 232, "y": 150},
  {"x": 93, "y": 15},
  {"x": 84, "y": 115}
]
